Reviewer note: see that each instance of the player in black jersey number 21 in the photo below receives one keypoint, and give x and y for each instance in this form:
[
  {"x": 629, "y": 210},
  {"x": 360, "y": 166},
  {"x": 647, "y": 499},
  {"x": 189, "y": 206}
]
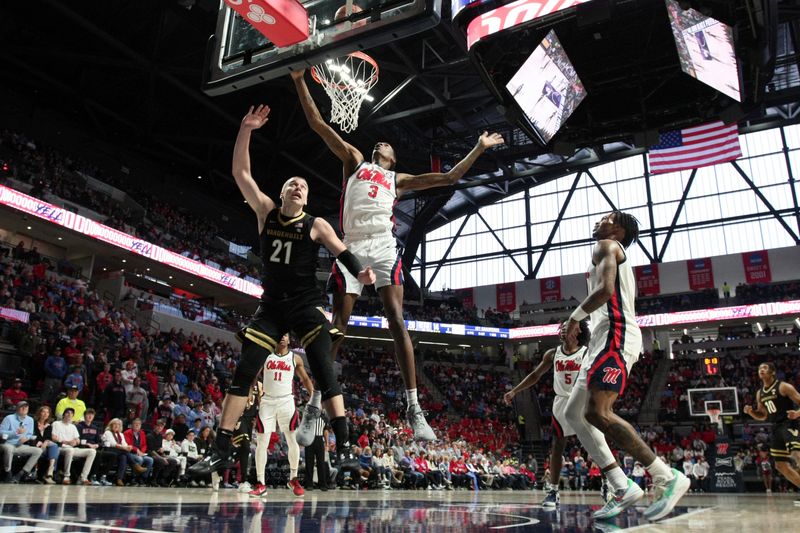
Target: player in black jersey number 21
[
  {"x": 291, "y": 300},
  {"x": 774, "y": 402}
]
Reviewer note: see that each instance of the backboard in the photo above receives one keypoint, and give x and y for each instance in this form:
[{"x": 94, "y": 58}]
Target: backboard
[
  {"x": 701, "y": 399},
  {"x": 239, "y": 56}
]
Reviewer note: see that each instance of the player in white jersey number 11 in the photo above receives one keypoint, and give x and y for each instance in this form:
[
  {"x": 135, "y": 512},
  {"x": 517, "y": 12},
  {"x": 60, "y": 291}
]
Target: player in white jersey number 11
[
  {"x": 566, "y": 360},
  {"x": 369, "y": 191}
]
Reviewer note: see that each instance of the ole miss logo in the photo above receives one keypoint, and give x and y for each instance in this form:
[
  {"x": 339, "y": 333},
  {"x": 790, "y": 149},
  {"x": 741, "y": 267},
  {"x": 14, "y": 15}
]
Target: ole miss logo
[
  {"x": 278, "y": 365},
  {"x": 568, "y": 366},
  {"x": 611, "y": 375}
]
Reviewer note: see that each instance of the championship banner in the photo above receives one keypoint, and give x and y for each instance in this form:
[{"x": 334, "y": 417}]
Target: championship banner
[
  {"x": 701, "y": 274},
  {"x": 756, "y": 267},
  {"x": 550, "y": 289},
  {"x": 506, "y": 296},
  {"x": 647, "y": 281},
  {"x": 467, "y": 297}
]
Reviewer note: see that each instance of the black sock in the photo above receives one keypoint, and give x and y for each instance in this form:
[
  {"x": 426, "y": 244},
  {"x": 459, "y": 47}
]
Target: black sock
[
  {"x": 342, "y": 432},
  {"x": 223, "y": 440}
]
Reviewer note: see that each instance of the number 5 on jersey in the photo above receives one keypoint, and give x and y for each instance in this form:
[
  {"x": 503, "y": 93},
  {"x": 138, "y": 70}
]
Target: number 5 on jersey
[{"x": 280, "y": 246}]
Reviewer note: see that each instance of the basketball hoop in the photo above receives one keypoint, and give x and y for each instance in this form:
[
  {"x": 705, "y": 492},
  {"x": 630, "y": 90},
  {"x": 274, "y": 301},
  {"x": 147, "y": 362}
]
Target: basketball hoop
[
  {"x": 714, "y": 415},
  {"x": 347, "y": 81}
]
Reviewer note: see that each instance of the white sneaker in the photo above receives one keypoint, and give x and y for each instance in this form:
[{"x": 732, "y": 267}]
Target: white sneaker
[
  {"x": 214, "y": 481},
  {"x": 245, "y": 487},
  {"x": 416, "y": 419},
  {"x": 667, "y": 493},
  {"x": 307, "y": 430},
  {"x": 622, "y": 499}
]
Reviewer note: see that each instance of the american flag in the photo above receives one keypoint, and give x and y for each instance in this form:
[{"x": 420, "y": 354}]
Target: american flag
[{"x": 699, "y": 146}]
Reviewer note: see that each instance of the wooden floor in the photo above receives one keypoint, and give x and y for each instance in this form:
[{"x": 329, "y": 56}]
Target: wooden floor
[{"x": 25, "y": 508}]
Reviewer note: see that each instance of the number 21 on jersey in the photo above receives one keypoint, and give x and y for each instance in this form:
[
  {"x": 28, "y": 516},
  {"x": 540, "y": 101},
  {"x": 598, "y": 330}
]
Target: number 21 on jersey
[{"x": 282, "y": 252}]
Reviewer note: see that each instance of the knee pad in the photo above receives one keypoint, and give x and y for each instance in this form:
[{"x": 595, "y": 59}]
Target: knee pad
[{"x": 253, "y": 356}]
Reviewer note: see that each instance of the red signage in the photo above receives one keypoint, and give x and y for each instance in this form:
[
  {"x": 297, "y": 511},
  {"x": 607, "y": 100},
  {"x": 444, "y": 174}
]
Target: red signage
[
  {"x": 283, "y": 22},
  {"x": 756, "y": 267},
  {"x": 467, "y": 297},
  {"x": 512, "y": 15},
  {"x": 701, "y": 274},
  {"x": 506, "y": 297},
  {"x": 550, "y": 289},
  {"x": 647, "y": 281}
]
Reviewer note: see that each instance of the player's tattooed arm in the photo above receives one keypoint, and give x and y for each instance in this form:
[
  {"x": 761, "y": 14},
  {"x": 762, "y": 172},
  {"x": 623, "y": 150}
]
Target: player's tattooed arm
[
  {"x": 409, "y": 182},
  {"x": 625, "y": 437},
  {"x": 347, "y": 153},
  {"x": 532, "y": 378}
]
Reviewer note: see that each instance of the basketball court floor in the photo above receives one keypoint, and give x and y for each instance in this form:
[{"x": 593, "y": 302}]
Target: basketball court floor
[{"x": 28, "y": 508}]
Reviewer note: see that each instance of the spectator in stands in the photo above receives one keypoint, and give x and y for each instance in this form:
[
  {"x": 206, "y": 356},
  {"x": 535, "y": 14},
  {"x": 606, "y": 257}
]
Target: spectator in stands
[
  {"x": 137, "y": 440},
  {"x": 129, "y": 373},
  {"x": 115, "y": 399},
  {"x": 42, "y": 431},
  {"x": 189, "y": 449},
  {"x": 103, "y": 379},
  {"x": 74, "y": 379},
  {"x": 66, "y": 435},
  {"x": 114, "y": 440},
  {"x": 136, "y": 398},
  {"x": 90, "y": 436},
  {"x": 55, "y": 368},
  {"x": 72, "y": 400},
  {"x": 14, "y": 394},
  {"x": 195, "y": 394},
  {"x": 17, "y": 432}
]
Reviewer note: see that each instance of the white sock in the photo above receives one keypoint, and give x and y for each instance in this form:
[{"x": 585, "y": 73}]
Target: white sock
[
  {"x": 316, "y": 399},
  {"x": 411, "y": 397},
  {"x": 617, "y": 479},
  {"x": 659, "y": 469}
]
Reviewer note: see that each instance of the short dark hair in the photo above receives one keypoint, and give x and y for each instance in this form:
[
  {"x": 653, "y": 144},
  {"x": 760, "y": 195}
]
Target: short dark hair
[
  {"x": 630, "y": 224},
  {"x": 585, "y": 334},
  {"x": 70, "y": 409},
  {"x": 771, "y": 366},
  {"x": 89, "y": 411}
]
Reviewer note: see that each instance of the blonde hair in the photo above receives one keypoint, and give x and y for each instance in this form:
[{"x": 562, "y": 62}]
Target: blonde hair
[{"x": 112, "y": 422}]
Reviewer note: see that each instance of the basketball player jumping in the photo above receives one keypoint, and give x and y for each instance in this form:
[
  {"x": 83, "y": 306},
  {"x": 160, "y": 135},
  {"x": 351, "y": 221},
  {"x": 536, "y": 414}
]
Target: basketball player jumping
[
  {"x": 277, "y": 407},
  {"x": 291, "y": 301},
  {"x": 774, "y": 402},
  {"x": 614, "y": 348},
  {"x": 566, "y": 361},
  {"x": 369, "y": 192}
]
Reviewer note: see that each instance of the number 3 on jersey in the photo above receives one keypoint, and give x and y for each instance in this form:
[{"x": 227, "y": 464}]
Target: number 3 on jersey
[
  {"x": 280, "y": 246},
  {"x": 373, "y": 191}
]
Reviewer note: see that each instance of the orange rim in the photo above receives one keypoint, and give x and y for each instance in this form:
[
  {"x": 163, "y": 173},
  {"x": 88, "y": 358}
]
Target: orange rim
[{"x": 359, "y": 55}]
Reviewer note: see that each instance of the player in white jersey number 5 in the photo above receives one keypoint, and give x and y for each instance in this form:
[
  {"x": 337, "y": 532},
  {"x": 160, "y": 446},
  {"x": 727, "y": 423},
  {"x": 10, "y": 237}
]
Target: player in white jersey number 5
[
  {"x": 614, "y": 348},
  {"x": 369, "y": 192},
  {"x": 566, "y": 360},
  {"x": 277, "y": 411}
]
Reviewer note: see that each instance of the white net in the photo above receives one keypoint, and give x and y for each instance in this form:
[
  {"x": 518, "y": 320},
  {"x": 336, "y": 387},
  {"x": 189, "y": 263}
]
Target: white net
[{"x": 347, "y": 81}]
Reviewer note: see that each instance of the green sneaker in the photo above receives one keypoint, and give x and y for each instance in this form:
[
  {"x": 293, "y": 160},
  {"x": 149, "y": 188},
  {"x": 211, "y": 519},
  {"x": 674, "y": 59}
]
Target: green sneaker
[
  {"x": 667, "y": 493},
  {"x": 622, "y": 499}
]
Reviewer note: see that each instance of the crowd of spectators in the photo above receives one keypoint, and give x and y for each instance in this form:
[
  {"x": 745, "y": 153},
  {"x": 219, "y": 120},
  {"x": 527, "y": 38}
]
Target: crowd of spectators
[
  {"x": 171, "y": 226},
  {"x": 476, "y": 392}
]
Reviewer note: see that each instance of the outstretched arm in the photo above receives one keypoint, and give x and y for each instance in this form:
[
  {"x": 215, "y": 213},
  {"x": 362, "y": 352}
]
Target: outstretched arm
[
  {"x": 347, "y": 153},
  {"x": 300, "y": 370},
  {"x": 323, "y": 233},
  {"x": 408, "y": 182},
  {"x": 532, "y": 378},
  {"x": 607, "y": 255},
  {"x": 257, "y": 200}
]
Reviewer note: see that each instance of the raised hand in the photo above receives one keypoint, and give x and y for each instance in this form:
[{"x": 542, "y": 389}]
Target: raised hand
[
  {"x": 508, "y": 398},
  {"x": 793, "y": 415},
  {"x": 748, "y": 410},
  {"x": 297, "y": 74},
  {"x": 487, "y": 140},
  {"x": 367, "y": 276},
  {"x": 255, "y": 118}
]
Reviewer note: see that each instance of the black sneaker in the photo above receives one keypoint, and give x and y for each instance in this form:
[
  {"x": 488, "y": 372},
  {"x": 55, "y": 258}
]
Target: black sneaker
[
  {"x": 214, "y": 462},
  {"x": 347, "y": 460}
]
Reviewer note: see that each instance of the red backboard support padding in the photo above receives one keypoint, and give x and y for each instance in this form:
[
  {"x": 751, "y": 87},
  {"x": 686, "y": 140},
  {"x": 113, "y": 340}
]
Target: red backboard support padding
[{"x": 283, "y": 22}]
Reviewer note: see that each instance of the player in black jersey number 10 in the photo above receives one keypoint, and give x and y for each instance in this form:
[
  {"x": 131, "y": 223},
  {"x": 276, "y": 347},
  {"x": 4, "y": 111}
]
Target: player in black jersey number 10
[
  {"x": 774, "y": 402},
  {"x": 291, "y": 300}
]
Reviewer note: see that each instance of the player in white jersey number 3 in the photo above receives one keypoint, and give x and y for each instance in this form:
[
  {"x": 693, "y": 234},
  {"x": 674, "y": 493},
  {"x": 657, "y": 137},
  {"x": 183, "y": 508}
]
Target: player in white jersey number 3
[
  {"x": 614, "y": 348},
  {"x": 277, "y": 411},
  {"x": 566, "y": 360},
  {"x": 369, "y": 192}
]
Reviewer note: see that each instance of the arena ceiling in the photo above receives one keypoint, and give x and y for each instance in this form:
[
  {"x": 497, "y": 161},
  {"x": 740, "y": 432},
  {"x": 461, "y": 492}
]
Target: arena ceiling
[{"x": 131, "y": 70}]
